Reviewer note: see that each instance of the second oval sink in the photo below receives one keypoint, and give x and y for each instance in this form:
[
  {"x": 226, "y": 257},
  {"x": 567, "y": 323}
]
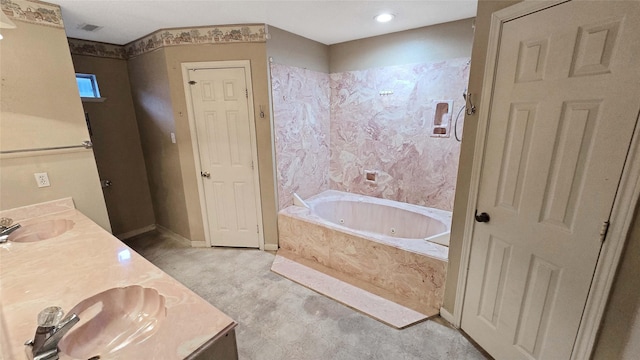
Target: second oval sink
[
  {"x": 114, "y": 319},
  {"x": 42, "y": 230}
]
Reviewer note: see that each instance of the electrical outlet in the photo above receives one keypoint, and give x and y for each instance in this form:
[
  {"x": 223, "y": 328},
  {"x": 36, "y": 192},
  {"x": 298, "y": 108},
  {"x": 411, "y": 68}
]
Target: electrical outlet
[{"x": 42, "y": 179}]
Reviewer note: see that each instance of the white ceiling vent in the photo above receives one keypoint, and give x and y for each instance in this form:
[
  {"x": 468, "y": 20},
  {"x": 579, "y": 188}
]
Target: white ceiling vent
[{"x": 89, "y": 27}]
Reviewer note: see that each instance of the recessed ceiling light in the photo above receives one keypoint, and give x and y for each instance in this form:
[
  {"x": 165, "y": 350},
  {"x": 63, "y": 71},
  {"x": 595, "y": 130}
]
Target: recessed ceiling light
[{"x": 385, "y": 17}]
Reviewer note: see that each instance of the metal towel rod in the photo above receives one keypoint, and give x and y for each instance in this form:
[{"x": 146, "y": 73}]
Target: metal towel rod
[{"x": 85, "y": 144}]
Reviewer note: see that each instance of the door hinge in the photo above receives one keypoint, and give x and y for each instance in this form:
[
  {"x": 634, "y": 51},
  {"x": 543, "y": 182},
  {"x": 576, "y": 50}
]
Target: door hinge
[
  {"x": 604, "y": 230},
  {"x": 258, "y": 229},
  {"x": 246, "y": 93},
  {"x": 192, "y": 82},
  {"x": 251, "y": 164}
]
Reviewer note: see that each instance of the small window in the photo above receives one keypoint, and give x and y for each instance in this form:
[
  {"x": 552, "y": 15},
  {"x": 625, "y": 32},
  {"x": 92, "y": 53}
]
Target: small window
[{"x": 87, "y": 85}]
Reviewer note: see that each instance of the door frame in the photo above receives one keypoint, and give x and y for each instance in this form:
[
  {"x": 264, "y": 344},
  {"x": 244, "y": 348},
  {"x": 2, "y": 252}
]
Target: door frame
[
  {"x": 246, "y": 64},
  {"x": 622, "y": 213}
]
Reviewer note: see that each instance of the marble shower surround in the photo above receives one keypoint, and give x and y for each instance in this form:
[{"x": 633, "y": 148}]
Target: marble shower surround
[
  {"x": 390, "y": 133},
  {"x": 301, "y": 125}
]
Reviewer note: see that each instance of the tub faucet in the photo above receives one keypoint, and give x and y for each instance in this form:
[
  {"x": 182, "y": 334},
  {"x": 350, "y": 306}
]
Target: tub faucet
[
  {"x": 6, "y": 228},
  {"x": 49, "y": 332}
]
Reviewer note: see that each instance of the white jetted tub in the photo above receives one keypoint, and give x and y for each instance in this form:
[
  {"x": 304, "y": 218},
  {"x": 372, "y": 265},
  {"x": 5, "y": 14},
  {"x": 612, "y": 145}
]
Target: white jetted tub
[
  {"x": 383, "y": 218},
  {"x": 399, "y": 247}
]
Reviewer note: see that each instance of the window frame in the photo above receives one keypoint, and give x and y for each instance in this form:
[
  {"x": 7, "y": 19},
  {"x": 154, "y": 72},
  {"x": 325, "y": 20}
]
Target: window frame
[{"x": 94, "y": 86}]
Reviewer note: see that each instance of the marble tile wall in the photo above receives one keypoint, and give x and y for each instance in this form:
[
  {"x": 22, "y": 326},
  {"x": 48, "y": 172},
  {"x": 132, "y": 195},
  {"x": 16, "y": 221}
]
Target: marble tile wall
[
  {"x": 301, "y": 125},
  {"x": 329, "y": 129},
  {"x": 416, "y": 280},
  {"x": 390, "y": 133}
]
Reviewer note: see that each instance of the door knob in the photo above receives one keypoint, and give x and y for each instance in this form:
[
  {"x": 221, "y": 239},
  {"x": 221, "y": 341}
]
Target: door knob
[
  {"x": 483, "y": 217},
  {"x": 205, "y": 174}
]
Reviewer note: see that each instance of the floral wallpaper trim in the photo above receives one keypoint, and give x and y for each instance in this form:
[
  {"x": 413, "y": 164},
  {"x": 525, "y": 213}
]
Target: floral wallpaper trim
[
  {"x": 35, "y": 12},
  {"x": 92, "y": 48},
  {"x": 222, "y": 34},
  {"x": 170, "y": 37}
]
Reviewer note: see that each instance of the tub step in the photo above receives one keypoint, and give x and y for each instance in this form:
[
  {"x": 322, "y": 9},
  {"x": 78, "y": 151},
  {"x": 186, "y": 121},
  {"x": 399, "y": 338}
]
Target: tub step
[{"x": 377, "y": 307}]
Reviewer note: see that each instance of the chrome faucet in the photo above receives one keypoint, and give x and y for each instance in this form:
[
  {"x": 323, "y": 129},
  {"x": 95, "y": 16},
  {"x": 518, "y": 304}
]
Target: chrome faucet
[
  {"x": 50, "y": 331},
  {"x": 6, "y": 228}
]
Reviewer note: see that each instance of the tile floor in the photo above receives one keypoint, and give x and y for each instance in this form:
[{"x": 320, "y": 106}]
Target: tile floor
[{"x": 279, "y": 319}]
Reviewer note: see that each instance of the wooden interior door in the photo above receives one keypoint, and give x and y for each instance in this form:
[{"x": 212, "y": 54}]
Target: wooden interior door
[
  {"x": 220, "y": 104},
  {"x": 563, "y": 109}
]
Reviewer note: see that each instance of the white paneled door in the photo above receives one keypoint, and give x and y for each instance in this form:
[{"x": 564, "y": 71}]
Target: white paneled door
[
  {"x": 564, "y": 105},
  {"x": 221, "y": 112}
]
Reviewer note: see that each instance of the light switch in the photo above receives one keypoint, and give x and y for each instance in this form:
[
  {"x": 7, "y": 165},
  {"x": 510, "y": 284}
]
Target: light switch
[{"x": 173, "y": 138}]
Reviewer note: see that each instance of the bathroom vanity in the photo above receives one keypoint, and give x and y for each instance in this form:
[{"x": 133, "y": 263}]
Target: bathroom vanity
[{"x": 128, "y": 308}]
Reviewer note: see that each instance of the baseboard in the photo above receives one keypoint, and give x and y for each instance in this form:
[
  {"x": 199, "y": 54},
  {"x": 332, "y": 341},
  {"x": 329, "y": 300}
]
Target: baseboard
[
  {"x": 198, "y": 244},
  {"x": 163, "y": 230},
  {"x": 271, "y": 247},
  {"x": 132, "y": 233},
  {"x": 448, "y": 317}
]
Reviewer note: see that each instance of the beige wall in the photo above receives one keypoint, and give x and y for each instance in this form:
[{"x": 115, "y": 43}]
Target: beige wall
[
  {"x": 476, "y": 75},
  {"x": 256, "y": 53},
  {"x": 427, "y": 44},
  {"x": 40, "y": 107},
  {"x": 620, "y": 329},
  {"x": 161, "y": 108},
  {"x": 286, "y": 48},
  {"x": 154, "y": 112},
  {"x": 39, "y": 92},
  {"x": 116, "y": 145}
]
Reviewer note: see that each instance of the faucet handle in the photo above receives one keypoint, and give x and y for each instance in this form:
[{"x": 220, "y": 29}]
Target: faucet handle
[
  {"x": 51, "y": 328},
  {"x": 6, "y": 222},
  {"x": 50, "y": 316}
]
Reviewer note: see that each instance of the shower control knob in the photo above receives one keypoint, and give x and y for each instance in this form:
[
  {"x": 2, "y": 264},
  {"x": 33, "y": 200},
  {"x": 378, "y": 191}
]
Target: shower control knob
[
  {"x": 205, "y": 174},
  {"x": 483, "y": 217}
]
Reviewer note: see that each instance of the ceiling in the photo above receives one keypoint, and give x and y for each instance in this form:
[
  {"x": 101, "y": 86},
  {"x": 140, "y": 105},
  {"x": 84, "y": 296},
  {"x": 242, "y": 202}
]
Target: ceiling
[{"x": 328, "y": 22}]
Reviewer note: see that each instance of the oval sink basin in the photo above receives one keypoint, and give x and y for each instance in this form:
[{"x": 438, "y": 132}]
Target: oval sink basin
[
  {"x": 112, "y": 320},
  {"x": 41, "y": 231}
]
